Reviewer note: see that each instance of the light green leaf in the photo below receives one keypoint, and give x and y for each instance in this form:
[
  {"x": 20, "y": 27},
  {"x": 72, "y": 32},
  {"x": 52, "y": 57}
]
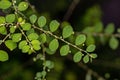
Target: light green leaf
[
  {"x": 54, "y": 44},
  {"x": 36, "y": 44},
  {"x": 3, "y": 30},
  {"x": 113, "y": 43},
  {"x": 77, "y": 56},
  {"x": 2, "y": 20},
  {"x": 110, "y": 28},
  {"x": 67, "y": 31},
  {"x": 26, "y": 26},
  {"x": 10, "y": 44},
  {"x": 93, "y": 55},
  {"x": 33, "y": 36},
  {"x": 64, "y": 50},
  {"x": 22, "y": 6},
  {"x": 54, "y": 24},
  {"x": 10, "y": 18},
  {"x": 3, "y": 56},
  {"x": 80, "y": 39},
  {"x": 22, "y": 43},
  {"x": 43, "y": 38},
  {"x": 12, "y": 29},
  {"x": 25, "y": 48},
  {"x": 5, "y": 4},
  {"x": 86, "y": 59},
  {"x": 41, "y": 21},
  {"x": 16, "y": 37},
  {"x": 90, "y": 48},
  {"x": 33, "y": 18}
]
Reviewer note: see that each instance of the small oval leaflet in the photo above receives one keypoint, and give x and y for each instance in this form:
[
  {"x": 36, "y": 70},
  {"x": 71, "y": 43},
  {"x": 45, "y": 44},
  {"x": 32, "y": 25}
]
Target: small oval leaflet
[
  {"x": 42, "y": 38},
  {"x": 86, "y": 59},
  {"x": 33, "y": 18},
  {"x": 22, "y": 6},
  {"x": 12, "y": 29},
  {"x": 33, "y": 36},
  {"x": 10, "y": 18},
  {"x": 16, "y": 37},
  {"x": 36, "y": 44},
  {"x": 77, "y": 56},
  {"x": 113, "y": 43},
  {"x": 110, "y": 28},
  {"x": 54, "y": 24},
  {"x": 90, "y": 48},
  {"x": 67, "y": 31},
  {"x": 25, "y": 48},
  {"x": 22, "y": 43},
  {"x": 41, "y": 21},
  {"x": 3, "y": 56},
  {"x": 80, "y": 39},
  {"x": 93, "y": 55},
  {"x": 64, "y": 50},
  {"x": 2, "y": 20},
  {"x": 10, "y": 44},
  {"x": 3, "y": 30},
  {"x": 26, "y": 26},
  {"x": 54, "y": 44},
  {"x": 5, "y": 4}
]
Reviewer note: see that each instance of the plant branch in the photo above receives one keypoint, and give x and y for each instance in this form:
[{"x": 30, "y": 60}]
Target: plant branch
[{"x": 5, "y": 38}]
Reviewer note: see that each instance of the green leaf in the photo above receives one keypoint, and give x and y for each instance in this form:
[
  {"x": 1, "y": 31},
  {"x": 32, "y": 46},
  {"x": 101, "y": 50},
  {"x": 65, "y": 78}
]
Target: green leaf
[
  {"x": 30, "y": 31},
  {"x": 41, "y": 21},
  {"x": 3, "y": 56},
  {"x": 22, "y": 6},
  {"x": 26, "y": 26},
  {"x": 80, "y": 39},
  {"x": 90, "y": 48},
  {"x": 90, "y": 40},
  {"x": 33, "y": 36},
  {"x": 64, "y": 50},
  {"x": 67, "y": 31},
  {"x": 98, "y": 27},
  {"x": 54, "y": 24},
  {"x": 43, "y": 38},
  {"x": 93, "y": 55},
  {"x": 25, "y": 48},
  {"x": 54, "y": 44},
  {"x": 86, "y": 59},
  {"x": 22, "y": 43},
  {"x": 48, "y": 51},
  {"x": 3, "y": 30},
  {"x": 49, "y": 64},
  {"x": 16, "y": 37},
  {"x": 113, "y": 43},
  {"x": 110, "y": 28},
  {"x": 12, "y": 29},
  {"x": 77, "y": 56},
  {"x": 2, "y": 20},
  {"x": 10, "y": 18},
  {"x": 33, "y": 18},
  {"x": 36, "y": 44},
  {"x": 10, "y": 44},
  {"x": 5, "y": 4}
]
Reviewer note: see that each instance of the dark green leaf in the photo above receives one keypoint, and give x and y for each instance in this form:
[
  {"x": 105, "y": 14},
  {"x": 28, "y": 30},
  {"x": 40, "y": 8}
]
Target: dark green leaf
[
  {"x": 41, "y": 21},
  {"x": 64, "y": 50},
  {"x": 5, "y": 4},
  {"x": 90, "y": 48},
  {"x": 22, "y": 6},
  {"x": 10, "y": 18},
  {"x": 67, "y": 31},
  {"x": 80, "y": 39},
  {"x": 54, "y": 44},
  {"x": 86, "y": 59},
  {"x": 113, "y": 43},
  {"x": 110, "y": 28},
  {"x": 54, "y": 25},
  {"x": 77, "y": 56},
  {"x": 3, "y": 56},
  {"x": 10, "y": 44},
  {"x": 33, "y": 18}
]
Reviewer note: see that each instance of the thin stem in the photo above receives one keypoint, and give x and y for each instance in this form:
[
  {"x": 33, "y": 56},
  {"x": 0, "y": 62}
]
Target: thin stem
[
  {"x": 48, "y": 32},
  {"x": 5, "y": 38}
]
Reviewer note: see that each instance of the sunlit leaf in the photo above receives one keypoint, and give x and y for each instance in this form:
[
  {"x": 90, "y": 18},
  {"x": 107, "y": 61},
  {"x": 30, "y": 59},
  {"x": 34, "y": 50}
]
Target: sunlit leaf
[
  {"x": 25, "y": 48},
  {"x": 2, "y": 20},
  {"x": 3, "y": 30},
  {"x": 80, "y": 39},
  {"x": 10, "y": 44},
  {"x": 16, "y": 37},
  {"x": 26, "y": 26},
  {"x": 64, "y": 50},
  {"x": 33, "y": 36},
  {"x": 42, "y": 38},
  {"x": 77, "y": 56},
  {"x": 3, "y": 56},
  {"x": 86, "y": 59},
  {"x": 5, "y": 4},
  {"x": 54, "y": 25},
  {"x": 12, "y": 29},
  {"x": 22, "y": 43},
  {"x": 22, "y": 6},
  {"x": 33, "y": 18},
  {"x": 10, "y": 18},
  {"x": 54, "y": 44},
  {"x": 90, "y": 48}
]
